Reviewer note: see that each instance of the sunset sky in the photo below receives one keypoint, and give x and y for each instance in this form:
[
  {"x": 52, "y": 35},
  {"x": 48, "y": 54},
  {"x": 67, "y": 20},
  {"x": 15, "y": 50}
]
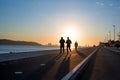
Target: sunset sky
[{"x": 45, "y": 21}]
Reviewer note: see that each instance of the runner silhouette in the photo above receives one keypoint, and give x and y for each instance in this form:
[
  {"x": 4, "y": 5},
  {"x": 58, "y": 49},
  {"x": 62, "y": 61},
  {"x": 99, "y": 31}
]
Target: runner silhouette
[
  {"x": 62, "y": 41},
  {"x": 68, "y": 42}
]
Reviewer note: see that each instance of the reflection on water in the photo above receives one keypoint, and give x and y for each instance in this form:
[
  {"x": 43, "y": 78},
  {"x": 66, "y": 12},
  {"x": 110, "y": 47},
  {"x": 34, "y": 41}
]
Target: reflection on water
[{"x": 24, "y": 48}]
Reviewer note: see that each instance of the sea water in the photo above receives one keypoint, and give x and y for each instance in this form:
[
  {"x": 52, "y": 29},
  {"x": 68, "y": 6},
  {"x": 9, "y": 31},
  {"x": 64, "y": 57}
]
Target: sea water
[{"x": 24, "y": 48}]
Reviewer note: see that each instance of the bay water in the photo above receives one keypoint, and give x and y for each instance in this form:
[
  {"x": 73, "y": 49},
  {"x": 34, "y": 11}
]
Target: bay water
[{"x": 24, "y": 48}]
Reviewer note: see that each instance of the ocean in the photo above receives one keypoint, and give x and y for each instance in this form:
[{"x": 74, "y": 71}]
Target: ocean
[{"x": 24, "y": 48}]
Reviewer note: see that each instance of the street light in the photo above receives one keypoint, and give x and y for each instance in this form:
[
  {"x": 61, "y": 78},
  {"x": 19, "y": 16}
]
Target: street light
[
  {"x": 109, "y": 35},
  {"x": 114, "y": 31},
  {"x": 119, "y": 36}
]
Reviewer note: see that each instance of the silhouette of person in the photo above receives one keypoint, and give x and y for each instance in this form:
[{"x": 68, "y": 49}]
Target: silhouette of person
[
  {"x": 68, "y": 42},
  {"x": 76, "y": 45},
  {"x": 62, "y": 41}
]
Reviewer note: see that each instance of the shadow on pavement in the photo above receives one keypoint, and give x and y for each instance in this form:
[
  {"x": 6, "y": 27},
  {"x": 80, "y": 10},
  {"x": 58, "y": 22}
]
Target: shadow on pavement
[
  {"x": 39, "y": 73},
  {"x": 81, "y": 54},
  {"x": 64, "y": 67},
  {"x": 87, "y": 73}
]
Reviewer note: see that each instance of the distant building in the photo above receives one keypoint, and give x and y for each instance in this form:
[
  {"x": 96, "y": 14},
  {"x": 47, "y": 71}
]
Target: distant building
[
  {"x": 111, "y": 44},
  {"x": 49, "y": 44},
  {"x": 117, "y": 44}
]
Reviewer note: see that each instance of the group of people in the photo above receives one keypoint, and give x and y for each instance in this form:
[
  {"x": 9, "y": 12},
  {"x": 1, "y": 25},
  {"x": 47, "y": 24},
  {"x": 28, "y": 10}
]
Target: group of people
[{"x": 68, "y": 42}]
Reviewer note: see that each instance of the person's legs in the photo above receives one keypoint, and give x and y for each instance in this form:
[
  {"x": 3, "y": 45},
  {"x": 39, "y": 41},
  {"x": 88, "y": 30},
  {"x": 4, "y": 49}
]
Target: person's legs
[
  {"x": 60, "y": 49},
  {"x": 75, "y": 48},
  {"x": 63, "y": 49},
  {"x": 67, "y": 48}
]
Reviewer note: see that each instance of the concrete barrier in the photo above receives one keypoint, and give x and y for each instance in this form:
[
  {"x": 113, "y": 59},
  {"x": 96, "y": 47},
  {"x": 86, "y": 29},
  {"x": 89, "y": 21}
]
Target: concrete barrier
[{"x": 79, "y": 68}]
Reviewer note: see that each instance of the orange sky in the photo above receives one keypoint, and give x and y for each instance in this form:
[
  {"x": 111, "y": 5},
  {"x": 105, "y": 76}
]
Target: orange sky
[{"x": 85, "y": 21}]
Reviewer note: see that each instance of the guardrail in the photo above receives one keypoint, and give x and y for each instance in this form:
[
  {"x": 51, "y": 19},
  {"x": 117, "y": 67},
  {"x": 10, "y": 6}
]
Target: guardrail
[{"x": 79, "y": 68}]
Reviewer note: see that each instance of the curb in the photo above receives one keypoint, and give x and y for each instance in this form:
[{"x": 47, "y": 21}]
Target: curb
[{"x": 79, "y": 68}]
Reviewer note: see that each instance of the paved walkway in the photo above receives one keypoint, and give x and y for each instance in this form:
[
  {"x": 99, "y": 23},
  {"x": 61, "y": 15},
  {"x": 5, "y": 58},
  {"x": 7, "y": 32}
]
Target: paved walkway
[
  {"x": 104, "y": 66},
  {"x": 45, "y": 67}
]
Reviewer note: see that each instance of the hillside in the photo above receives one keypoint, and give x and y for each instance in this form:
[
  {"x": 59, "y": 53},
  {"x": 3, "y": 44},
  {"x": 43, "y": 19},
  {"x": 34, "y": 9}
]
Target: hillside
[{"x": 12, "y": 42}]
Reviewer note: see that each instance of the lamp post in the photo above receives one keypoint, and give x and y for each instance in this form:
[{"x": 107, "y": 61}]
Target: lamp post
[
  {"x": 114, "y": 31},
  {"x": 109, "y": 35},
  {"x": 119, "y": 36}
]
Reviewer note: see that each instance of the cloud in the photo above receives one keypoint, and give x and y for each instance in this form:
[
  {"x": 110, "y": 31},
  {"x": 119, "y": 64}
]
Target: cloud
[
  {"x": 110, "y": 4},
  {"x": 100, "y": 3},
  {"x": 97, "y": 3}
]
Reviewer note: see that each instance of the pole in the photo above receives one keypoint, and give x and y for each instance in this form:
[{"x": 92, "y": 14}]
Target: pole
[
  {"x": 109, "y": 35},
  {"x": 114, "y": 31},
  {"x": 119, "y": 36}
]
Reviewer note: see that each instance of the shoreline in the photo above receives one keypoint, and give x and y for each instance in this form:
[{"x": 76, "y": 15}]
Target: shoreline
[
  {"x": 23, "y": 55},
  {"x": 5, "y": 49}
]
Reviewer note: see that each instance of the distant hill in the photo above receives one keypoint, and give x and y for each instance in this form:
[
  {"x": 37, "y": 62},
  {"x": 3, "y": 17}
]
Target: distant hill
[{"x": 12, "y": 42}]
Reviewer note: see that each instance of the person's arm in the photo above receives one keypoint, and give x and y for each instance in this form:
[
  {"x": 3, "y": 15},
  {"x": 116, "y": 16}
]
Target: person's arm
[{"x": 60, "y": 41}]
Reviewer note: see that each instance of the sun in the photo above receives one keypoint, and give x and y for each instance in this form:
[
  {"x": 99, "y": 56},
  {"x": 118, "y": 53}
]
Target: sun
[{"x": 71, "y": 33}]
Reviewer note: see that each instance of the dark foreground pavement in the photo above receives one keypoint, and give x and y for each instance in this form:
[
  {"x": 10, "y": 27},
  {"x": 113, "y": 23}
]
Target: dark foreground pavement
[
  {"x": 45, "y": 67},
  {"x": 105, "y": 65}
]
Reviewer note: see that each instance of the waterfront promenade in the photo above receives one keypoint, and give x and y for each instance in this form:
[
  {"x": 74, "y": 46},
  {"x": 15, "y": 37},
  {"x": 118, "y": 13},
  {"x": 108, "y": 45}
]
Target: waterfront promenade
[
  {"x": 104, "y": 65},
  {"x": 53, "y": 66}
]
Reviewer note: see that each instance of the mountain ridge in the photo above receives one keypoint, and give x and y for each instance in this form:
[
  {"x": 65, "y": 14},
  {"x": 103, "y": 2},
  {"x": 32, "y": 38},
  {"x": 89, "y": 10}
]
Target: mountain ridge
[{"x": 13, "y": 42}]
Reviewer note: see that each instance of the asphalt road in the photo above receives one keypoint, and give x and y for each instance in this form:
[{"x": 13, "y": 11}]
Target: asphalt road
[{"x": 105, "y": 65}]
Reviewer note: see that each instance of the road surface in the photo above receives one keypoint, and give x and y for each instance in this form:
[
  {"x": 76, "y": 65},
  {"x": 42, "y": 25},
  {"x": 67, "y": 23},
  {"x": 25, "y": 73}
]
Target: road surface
[{"x": 105, "y": 65}]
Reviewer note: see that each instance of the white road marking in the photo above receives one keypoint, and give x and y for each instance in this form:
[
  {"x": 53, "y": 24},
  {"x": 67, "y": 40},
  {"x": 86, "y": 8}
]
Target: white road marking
[
  {"x": 42, "y": 64},
  {"x": 18, "y": 72}
]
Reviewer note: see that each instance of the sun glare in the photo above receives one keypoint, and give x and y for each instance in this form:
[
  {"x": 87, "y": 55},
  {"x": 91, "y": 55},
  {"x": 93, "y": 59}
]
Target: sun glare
[{"x": 71, "y": 33}]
